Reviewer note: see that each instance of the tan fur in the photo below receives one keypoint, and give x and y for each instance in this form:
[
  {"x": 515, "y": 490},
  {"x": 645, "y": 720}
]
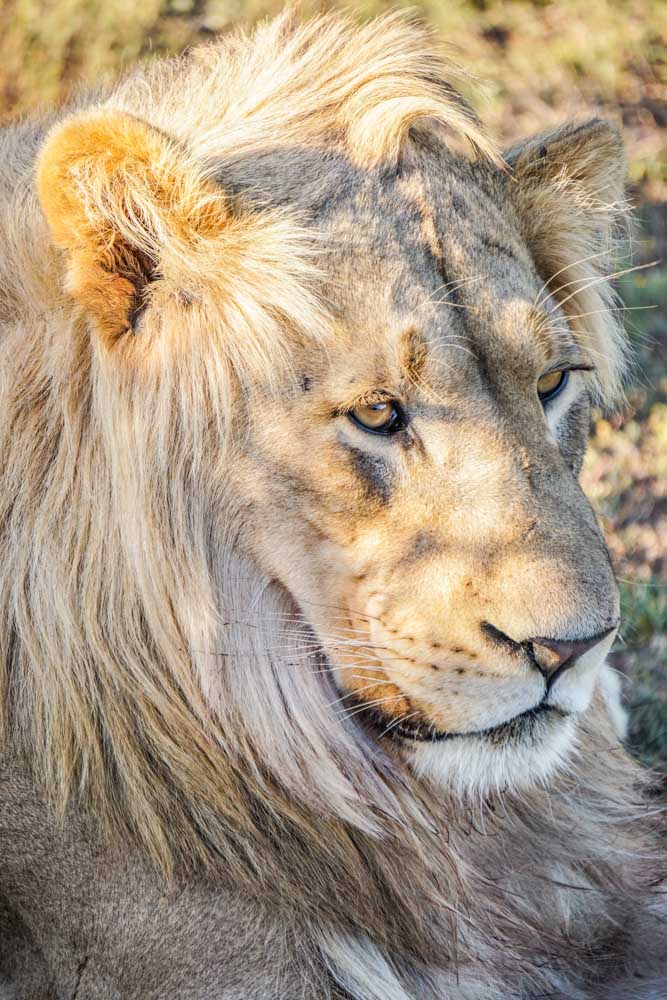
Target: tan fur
[{"x": 220, "y": 594}]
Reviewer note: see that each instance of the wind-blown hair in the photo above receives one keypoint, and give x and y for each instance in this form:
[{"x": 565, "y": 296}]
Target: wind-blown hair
[{"x": 148, "y": 670}]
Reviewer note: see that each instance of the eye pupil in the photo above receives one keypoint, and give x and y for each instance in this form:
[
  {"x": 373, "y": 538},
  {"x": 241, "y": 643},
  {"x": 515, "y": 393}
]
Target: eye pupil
[
  {"x": 551, "y": 384},
  {"x": 383, "y": 417}
]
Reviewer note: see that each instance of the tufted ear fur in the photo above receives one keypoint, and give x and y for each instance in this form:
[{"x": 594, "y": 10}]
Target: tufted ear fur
[
  {"x": 127, "y": 206},
  {"x": 575, "y": 175},
  {"x": 144, "y": 229},
  {"x": 568, "y": 187}
]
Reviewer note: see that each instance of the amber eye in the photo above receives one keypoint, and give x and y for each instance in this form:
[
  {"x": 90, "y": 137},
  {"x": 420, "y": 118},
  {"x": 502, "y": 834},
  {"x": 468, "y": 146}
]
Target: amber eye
[
  {"x": 379, "y": 418},
  {"x": 551, "y": 384}
]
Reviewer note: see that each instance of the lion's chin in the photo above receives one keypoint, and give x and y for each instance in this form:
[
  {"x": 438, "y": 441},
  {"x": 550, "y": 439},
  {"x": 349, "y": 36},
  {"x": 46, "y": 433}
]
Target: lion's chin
[{"x": 530, "y": 750}]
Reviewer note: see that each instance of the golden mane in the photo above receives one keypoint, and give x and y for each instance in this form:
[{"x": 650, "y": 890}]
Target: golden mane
[{"x": 327, "y": 81}]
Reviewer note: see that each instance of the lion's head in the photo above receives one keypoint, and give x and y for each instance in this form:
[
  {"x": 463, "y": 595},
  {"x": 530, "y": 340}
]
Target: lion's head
[{"x": 296, "y": 400}]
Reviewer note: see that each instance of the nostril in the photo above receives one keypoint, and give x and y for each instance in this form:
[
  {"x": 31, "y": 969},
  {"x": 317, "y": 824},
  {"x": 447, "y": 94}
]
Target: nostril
[{"x": 554, "y": 656}]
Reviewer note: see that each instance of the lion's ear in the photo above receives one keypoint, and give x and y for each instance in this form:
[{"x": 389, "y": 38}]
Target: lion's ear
[
  {"x": 569, "y": 188},
  {"x": 127, "y": 205}
]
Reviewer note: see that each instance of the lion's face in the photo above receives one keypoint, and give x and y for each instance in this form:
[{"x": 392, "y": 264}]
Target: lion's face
[{"x": 415, "y": 488}]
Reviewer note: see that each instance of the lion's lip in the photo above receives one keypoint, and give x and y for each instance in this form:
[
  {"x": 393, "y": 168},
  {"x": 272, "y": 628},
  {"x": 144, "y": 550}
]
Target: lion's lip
[{"x": 420, "y": 731}]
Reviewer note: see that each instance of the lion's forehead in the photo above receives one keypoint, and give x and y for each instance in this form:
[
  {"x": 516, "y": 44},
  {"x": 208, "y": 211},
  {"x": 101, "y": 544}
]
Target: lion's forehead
[
  {"x": 424, "y": 230},
  {"x": 437, "y": 217},
  {"x": 432, "y": 252},
  {"x": 433, "y": 246}
]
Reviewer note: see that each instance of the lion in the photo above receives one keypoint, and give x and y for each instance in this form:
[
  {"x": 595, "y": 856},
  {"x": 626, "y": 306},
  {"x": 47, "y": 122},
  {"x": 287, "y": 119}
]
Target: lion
[{"x": 305, "y": 615}]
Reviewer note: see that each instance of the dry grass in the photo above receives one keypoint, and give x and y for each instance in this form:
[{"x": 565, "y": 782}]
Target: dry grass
[{"x": 536, "y": 63}]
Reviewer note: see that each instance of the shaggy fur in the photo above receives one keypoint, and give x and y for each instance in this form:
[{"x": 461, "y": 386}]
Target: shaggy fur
[{"x": 196, "y": 570}]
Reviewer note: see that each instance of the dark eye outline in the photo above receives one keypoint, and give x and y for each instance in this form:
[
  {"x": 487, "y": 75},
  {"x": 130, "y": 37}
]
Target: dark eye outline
[
  {"x": 546, "y": 397},
  {"x": 396, "y": 423}
]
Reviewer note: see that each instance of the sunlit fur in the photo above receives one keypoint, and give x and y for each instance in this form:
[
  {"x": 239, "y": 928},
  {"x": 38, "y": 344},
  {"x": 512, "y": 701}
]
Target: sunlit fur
[{"x": 156, "y": 668}]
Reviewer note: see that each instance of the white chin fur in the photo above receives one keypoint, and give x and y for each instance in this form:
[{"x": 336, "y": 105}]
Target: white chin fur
[{"x": 474, "y": 766}]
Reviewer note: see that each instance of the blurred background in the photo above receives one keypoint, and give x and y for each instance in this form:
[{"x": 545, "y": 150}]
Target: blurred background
[{"x": 534, "y": 63}]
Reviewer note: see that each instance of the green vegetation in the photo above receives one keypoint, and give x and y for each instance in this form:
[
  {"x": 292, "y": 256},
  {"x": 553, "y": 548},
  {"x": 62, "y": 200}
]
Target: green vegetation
[{"x": 534, "y": 62}]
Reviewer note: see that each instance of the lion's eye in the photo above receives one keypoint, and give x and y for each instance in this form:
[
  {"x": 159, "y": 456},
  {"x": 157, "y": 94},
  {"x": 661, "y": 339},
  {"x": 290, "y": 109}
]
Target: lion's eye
[
  {"x": 379, "y": 418},
  {"x": 551, "y": 384}
]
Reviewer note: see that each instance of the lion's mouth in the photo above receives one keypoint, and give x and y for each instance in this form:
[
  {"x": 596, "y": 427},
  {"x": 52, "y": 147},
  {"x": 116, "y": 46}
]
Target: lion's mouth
[{"x": 526, "y": 726}]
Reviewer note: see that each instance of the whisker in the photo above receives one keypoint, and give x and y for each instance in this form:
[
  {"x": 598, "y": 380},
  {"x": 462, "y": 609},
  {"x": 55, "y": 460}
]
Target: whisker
[
  {"x": 643, "y": 583},
  {"x": 351, "y": 611},
  {"x": 349, "y": 694},
  {"x": 371, "y": 704},
  {"x": 549, "y": 291},
  {"x": 452, "y": 305},
  {"x": 454, "y": 285},
  {"x": 430, "y": 393},
  {"x": 397, "y": 722},
  {"x": 611, "y": 309},
  {"x": 377, "y": 680},
  {"x": 604, "y": 278},
  {"x": 331, "y": 670}
]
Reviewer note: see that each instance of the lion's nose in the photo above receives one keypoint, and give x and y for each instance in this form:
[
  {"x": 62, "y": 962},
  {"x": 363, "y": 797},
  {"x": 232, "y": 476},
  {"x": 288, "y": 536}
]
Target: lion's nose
[
  {"x": 552, "y": 657},
  {"x": 555, "y": 656}
]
